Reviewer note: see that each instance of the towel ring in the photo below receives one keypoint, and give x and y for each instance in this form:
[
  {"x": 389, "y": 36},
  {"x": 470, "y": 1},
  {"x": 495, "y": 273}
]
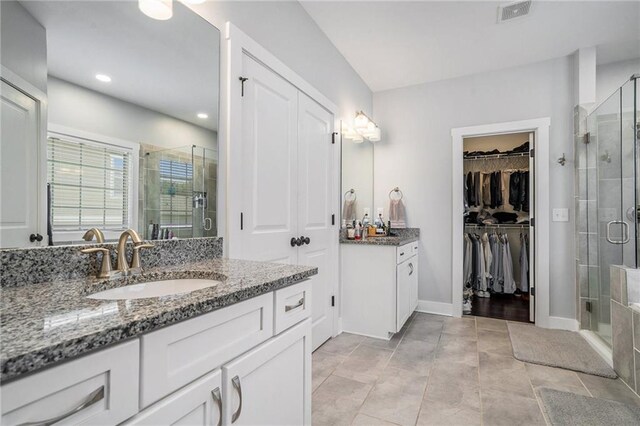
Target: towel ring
[
  {"x": 351, "y": 191},
  {"x": 396, "y": 189}
]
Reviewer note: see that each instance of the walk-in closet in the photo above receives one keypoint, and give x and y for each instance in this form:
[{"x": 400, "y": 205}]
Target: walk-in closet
[{"x": 498, "y": 280}]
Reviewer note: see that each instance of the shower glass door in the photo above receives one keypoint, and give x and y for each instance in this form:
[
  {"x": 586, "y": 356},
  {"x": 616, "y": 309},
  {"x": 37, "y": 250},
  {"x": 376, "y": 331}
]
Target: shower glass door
[
  {"x": 611, "y": 187},
  {"x": 205, "y": 166}
]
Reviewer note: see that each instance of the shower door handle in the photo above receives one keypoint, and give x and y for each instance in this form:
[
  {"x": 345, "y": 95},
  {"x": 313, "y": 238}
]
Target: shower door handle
[{"x": 625, "y": 234}]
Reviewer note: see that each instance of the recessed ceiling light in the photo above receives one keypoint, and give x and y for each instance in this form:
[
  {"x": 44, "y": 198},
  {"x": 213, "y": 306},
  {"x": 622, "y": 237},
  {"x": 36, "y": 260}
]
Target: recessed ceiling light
[
  {"x": 157, "y": 9},
  {"x": 103, "y": 78},
  {"x": 203, "y": 115}
]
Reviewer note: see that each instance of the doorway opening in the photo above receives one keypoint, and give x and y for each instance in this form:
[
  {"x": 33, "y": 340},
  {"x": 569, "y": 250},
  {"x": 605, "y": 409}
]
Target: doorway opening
[{"x": 498, "y": 262}]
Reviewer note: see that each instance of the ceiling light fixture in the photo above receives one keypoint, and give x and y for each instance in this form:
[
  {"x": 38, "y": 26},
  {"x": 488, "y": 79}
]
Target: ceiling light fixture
[
  {"x": 157, "y": 9},
  {"x": 103, "y": 78},
  {"x": 363, "y": 128},
  {"x": 203, "y": 115}
]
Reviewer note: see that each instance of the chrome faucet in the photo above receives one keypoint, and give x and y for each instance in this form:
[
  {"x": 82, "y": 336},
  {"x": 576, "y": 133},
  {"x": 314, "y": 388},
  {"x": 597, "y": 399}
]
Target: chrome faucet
[
  {"x": 94, "y": 232},
  {"x": 122, "y": 265}
]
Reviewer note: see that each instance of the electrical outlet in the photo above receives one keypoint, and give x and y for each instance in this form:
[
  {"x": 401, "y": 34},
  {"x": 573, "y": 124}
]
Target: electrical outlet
[
  {"x": 380, "y": 211},
  {"x": 367, "y": 211}
]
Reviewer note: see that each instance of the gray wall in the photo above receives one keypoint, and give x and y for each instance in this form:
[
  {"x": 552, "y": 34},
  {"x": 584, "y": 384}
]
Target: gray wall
[
  {"x": 286, "y": 30},
  {"x": 83, "y": 109},
  {"x": 415, "y": 154},
  {"x": 609, "y": 77},
  {"x": 23, "y": 48}
]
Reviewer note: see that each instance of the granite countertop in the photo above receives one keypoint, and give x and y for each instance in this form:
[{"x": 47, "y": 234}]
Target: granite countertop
[
  {"x": 398, "y": 237},
  {"x": 46, "y": 323}
]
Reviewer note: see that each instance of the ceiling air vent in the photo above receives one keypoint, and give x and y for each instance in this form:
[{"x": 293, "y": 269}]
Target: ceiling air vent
[{"x": 508, "y": 12}]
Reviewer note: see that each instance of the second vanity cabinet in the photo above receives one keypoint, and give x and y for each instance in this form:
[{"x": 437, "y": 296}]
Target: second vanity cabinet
[
  {"x": 379, "y": 287},
  {"x": 227, "y": 366}
]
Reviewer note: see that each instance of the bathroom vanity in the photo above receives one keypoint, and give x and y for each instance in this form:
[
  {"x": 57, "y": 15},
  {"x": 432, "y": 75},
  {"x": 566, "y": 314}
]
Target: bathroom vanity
[
  {"x": 379, "y": 283},
  {"x": 238, "y": 351}
]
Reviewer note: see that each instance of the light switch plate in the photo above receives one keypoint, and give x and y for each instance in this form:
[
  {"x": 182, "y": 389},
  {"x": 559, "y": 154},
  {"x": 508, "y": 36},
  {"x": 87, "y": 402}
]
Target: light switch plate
[
  {"x": 560, "y": 215},
  {"x": 380, "y": 212},
  {"x": 367, "y": 211}
]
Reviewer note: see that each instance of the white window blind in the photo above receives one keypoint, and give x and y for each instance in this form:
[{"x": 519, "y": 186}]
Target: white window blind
[
  {"x": 176, "y": 189},
  {"x": 90, "y": 185}
]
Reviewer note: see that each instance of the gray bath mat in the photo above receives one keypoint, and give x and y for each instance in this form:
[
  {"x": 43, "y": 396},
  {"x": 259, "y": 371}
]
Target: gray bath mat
[
  {"x": 556, "y": 348},
  {"x": 564, "y": 408}
]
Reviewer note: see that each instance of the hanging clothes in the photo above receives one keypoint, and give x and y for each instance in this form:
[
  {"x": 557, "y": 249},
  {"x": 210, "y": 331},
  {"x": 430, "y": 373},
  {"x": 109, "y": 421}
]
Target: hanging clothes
[
  {"x": 509, "y": 286},
  {"x": 524, "y": 263}
]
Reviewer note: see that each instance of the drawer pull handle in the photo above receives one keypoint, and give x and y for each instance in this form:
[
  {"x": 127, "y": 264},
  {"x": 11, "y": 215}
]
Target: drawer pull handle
[
  {"x": 401, "y": 253},
  {"x": 215, "y": 394},
  {"x": 288, "y": 308},
  {"x": 238, "y": 388},
  {"x": 93, "y": 397},
  {"x": 411, "y": 269}
]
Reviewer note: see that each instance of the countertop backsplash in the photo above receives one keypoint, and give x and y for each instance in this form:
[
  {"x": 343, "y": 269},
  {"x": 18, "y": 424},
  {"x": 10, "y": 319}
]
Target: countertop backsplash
[{"x": 45, "y": 264}]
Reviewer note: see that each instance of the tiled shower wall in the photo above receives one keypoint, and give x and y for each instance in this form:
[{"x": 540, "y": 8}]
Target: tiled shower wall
[{"x": 625, "y": 321}]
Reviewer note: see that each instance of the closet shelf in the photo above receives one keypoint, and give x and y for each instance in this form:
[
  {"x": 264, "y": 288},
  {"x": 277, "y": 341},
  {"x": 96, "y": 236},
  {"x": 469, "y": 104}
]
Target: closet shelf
[{"x": 496, "y": 156}]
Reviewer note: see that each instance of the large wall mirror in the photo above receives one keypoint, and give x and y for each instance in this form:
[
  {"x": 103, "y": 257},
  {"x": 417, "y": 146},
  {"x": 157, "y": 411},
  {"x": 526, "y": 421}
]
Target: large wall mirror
[
  {"x": 109, "y": 121},
  {"x": 357, "y": 179}
]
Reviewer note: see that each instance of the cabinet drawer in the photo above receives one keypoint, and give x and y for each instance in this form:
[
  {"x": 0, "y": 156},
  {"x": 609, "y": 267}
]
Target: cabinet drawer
[
  {"x": 199, "y": 403},
  {"x": 175, "y": 356},
  {"x": 404, "y": 252},
  {"x": 100, "y": 388},
  {"x": 292, "y": 305},
  {"x": 414, "y": 248}
]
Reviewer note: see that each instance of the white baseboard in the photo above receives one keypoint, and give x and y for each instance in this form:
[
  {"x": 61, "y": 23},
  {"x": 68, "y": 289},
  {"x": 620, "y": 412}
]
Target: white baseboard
[
  {"x": 562, "y": 323},
  {"x": 438, "y": 308}
]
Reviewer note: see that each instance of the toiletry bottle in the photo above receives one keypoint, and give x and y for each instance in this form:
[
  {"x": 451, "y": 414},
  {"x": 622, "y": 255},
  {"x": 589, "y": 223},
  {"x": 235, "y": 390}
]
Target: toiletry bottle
[
  {"x": 380, "y": 225},
  {"x": 388, "y": 229},
  {"x": 365, "y": 221},
  {"x": 358, "y": 232}
]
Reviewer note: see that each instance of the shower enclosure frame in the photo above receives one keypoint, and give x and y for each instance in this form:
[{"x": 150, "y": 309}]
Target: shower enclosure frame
[{"x": 540, "y": 128}]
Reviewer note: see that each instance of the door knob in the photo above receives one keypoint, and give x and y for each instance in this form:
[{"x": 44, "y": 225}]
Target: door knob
[
  {"x": 35, "y": 237},
  {"x": 305, "y": 240},
  {"x": 295, "y": 242}
]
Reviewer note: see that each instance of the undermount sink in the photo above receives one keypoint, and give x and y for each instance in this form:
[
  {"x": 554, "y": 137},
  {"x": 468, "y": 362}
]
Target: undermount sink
[{"x": 154, "y": 289}]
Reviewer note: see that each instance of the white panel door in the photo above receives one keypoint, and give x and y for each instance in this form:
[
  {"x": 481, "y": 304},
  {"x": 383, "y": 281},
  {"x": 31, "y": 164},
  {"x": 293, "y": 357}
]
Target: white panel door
[
  {"x": 403, "y": 293},
  {"x": 198, "y": 404},
  {"x": 315, "y": 172},
  {"x": 269, "y": 153},
  {"x": 271, "y": 385},
  {"x": 19, "y": 167}
]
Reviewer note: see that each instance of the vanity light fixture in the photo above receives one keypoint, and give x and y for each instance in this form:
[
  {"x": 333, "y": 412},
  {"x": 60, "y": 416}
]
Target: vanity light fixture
[
  {"x": 157, "y": 9},
  {"x": 103, "y": 78},
  {"x": 203, "y": 115},
  {"x": 363, "y": 128}
]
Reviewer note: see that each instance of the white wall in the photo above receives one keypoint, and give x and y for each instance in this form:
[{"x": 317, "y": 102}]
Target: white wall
[
  {"x": 288, "y": 32},
  {"x": 23, "y": 44},
  {"x": 415, "y": 154},
  {"x": 609, "y": 77},
  {"x": 84, "y": 109}
]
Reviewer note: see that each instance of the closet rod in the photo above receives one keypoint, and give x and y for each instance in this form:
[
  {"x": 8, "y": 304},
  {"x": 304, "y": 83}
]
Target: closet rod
[
  {"x": 498, "y": 225},
  {"x": 496, "y": 156}
]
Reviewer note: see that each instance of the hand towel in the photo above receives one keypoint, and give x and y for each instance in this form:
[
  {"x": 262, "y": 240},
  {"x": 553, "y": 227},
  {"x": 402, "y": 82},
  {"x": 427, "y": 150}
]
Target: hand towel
[
  {"x": 349, "y": 211},
  {"x": 396, "y": 214}
]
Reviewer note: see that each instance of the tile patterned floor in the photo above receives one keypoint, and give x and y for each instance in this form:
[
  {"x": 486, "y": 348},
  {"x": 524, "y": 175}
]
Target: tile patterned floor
[{"x": 439, "y": 371}]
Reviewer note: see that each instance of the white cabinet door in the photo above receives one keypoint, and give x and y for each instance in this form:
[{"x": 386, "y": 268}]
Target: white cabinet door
[
  {"x": 413, "y": 279},
  {"x": 19, "y": 169},
  {"x": 198, "y": 404},
  {"x": 403, "y": 293},
  {"x": 315, "y": 202},
  {"x": 269, "y": 169},
  {"x": 271, "y": 385}
]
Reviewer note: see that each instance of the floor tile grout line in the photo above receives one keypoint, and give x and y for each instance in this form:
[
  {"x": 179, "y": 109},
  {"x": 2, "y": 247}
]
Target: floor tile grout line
[
  {"x": 585, "y": 386},
  {"x": 535, "y": 395},
  {"x": 373, "y": 385}
]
